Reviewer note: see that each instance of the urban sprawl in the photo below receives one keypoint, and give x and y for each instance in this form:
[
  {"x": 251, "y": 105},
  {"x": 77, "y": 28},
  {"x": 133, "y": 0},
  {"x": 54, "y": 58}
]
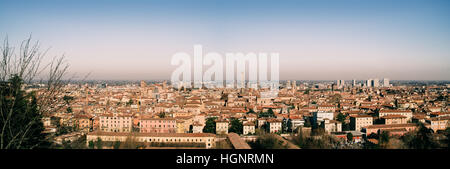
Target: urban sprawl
[{"x": 157, "y": 115}]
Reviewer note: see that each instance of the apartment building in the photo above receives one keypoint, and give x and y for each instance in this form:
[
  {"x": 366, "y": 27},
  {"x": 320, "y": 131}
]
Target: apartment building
[
  {"x": 331, "y": 126},
  {"x": 115, "y": 122},
  {"x": 197, "y": 128},
  {"x": 204, "y": 138},
  {"x": 319, "y": 116},
  {"x": 386, "y": 127},
  {"x": 357, "y": 122},
  {"x": 394, "y": 119},
  {"x": 326, "y": 108},
  {"x": 221, "y": 127},
  {"x": 157, "y": 125},
  {"x": 439, "y": 123},
  {"x": 407, "y": 113},
  {"x": 83, "y": 122},
  {"x": 274, "y": 125},
  {"x": 248, "y": 128}
]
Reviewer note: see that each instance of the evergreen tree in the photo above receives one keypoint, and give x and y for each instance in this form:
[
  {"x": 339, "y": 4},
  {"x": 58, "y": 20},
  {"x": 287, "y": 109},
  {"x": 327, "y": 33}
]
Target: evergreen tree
[
  {"x": 91, "y": 144},
  {"x": 423, "y": 139},
  {"x": 210, "y": 125},
  {"x": 447, "y": 140},
  {"x": 251, "y": 111},
  {"x": 269, "y": 113},
  {"x": 99, "y": 143},
  {"x": 340, "y": 117},
  {"x": 383, "y": 139},
  {"x": 350, "y": 137},
  {"x": 116, "y": 145},
  {"x": 289, "y": 125},
  {"x": 21, "y": 123},
  {"x": 236, "y": 126},
  {"x": 130, "y": 102},
  {"x": 21, "y": 112},
  {"x": 307, "y": 123}
]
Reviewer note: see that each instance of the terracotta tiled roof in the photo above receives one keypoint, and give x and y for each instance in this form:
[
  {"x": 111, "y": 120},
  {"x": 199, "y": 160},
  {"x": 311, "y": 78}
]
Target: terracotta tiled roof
[{"x": 393, "y": 117}]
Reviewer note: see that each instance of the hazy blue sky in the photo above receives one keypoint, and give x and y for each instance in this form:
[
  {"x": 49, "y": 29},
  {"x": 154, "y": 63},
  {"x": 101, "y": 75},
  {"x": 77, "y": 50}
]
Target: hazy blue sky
[{"x": 317, "y": 40}]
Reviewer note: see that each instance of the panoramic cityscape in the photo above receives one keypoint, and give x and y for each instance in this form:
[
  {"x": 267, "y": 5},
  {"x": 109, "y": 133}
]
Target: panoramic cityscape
[
  {"x": 225, "y": 75},
  {"x": 315, "y": 114}
]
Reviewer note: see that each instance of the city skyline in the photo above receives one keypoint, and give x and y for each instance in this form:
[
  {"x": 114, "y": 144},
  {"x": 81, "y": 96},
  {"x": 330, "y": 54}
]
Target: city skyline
[{"x": 320, "y": 40}]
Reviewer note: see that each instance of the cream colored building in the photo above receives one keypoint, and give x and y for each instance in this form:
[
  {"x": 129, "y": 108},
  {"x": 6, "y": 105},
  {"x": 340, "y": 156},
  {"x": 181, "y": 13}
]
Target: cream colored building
[
  {"x": 407, "y": 113},
  {"x": 221, "y": 127},
  {"x": 46, "y": 121},
  {"x": 207, "y": 138},
  {"x": 359, "y": 121},
  {"x": 274, "y": 125},
  {"x": 394, "y": 119},
  {"x": 115, "y": 122},
  {"x": 181, "y": 126},
  {"x": 248, "y": 128},
  {"x": 197, "y": 128},
  {"x": 326, "y": 108},
  {"x": 439, "y": 123},
  {"x": 332, "y": 126}
]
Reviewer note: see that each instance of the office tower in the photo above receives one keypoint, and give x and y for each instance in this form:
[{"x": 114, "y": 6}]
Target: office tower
[
  {"x": 386, "y": 82},
  {"x": 376, "y": 83},
  {"x": 369, "y": 83},
  {"x": 240, "y": 83},
  {"x": 353, "y": 82},
  {"x": 338, "y": 83},
  {"x": 294, "y": 84},
  {"x": 342, "y": 83},
  {"x": 288, "y": 84}
]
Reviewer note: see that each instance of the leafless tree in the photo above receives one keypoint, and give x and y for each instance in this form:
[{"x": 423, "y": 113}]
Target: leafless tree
[{"x": 27, "y": 65}]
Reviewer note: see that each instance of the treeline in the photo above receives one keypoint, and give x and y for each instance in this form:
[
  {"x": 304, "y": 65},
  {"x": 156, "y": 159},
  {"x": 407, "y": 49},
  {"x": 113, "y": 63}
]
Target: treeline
[
  {"x": 267, "y": 141},
  {"x": 421, "y": 138},
  {"x": 317, "y": 138}
]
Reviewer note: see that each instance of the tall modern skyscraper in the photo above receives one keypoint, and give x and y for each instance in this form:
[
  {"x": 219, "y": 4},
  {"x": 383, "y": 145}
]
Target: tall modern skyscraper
[
  {"x": 353, "y": 83},
  {"x": 369, "y": 82},
  {"x": 386, "y": 82},
  {"x": 376, "y": 83},
  {"x": 340, "y": 83}
]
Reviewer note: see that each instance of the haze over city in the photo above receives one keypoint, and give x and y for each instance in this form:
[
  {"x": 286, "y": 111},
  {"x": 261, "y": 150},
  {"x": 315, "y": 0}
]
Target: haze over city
[{"x": 316, "y": 40}]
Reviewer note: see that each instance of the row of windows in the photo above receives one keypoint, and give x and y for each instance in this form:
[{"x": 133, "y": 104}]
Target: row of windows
[
  {"x": 115, "y": 118},
  {"x": 160, "y": 121},
  {"x": 403, "y": 114},
  {"x": 158, "y": 131},
  {"x": 174, "y": 140},
  {"x": 114, "y": 125},
  {"x": 159, "y": 140},
  {"x": 116, "y": 130},
  {"x": 366, "y": 122},
  {"x": 173, "y": 126},
  {"x": 116, "y": 121}
]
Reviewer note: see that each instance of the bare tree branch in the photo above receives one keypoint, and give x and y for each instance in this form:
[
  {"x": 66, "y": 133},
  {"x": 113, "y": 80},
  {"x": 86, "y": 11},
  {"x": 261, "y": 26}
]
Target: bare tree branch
[{"x": 26, "y": 64}]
